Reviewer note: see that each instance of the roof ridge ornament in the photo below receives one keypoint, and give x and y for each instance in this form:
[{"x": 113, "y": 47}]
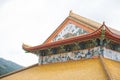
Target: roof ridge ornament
[
  {"x": 103, "y": 26},
  {"x": 103, "y": 30},
  {"x": 102, "y": 37},
  {"x": 70, "y": 13}
]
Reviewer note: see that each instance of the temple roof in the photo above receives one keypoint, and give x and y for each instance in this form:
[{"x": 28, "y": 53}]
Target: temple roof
[
  {"x": 98, "y": 32},
  {"x": 90, "y": 24},
  {"x": 86, "y": 23},
  {"x": 86, "y": 69},
  {"x": 93, "y": 24},
  {"x": 94, "y": 28}
]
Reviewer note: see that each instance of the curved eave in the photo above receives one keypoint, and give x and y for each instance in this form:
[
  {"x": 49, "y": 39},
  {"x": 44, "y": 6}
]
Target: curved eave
[
  {"x": 111, "y": 35},
  {"x": 26, "y": 47},
  {"x": 65, "y": 41},
  {"x": 108, "y": 34}
]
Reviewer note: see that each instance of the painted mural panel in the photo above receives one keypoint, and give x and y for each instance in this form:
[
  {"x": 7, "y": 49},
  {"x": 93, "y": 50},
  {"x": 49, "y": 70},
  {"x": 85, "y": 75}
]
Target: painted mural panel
[
  {"x": 81, "y": 54},
  {"x": 114, "y": 55},
  {"x": 69, "y": 31}
]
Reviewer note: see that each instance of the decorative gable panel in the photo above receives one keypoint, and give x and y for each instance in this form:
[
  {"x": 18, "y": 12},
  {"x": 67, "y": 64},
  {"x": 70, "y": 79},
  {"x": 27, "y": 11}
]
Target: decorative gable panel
[{"x": 68, "y": 31}]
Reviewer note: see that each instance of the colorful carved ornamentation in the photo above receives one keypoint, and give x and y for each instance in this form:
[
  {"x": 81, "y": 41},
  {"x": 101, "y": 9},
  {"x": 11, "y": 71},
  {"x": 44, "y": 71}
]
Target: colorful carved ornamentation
[{"x": 76, "y": 55}]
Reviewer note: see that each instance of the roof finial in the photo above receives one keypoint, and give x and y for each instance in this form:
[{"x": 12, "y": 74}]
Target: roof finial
[
  {"x": 70, "y": 12},
  {"x": 103, "y": 22},
  {"x": 104, "y": 26}
]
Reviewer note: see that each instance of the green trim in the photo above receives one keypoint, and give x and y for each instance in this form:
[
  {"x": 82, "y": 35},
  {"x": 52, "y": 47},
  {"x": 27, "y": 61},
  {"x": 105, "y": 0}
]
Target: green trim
[{"x": 27, "y": 52}]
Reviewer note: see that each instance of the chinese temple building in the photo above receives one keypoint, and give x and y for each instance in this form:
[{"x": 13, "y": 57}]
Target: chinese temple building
[{"x": 79, "y": 49}]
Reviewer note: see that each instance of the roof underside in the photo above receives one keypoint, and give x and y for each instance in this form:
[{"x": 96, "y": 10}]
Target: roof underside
[{"x": 88, "y": 69}]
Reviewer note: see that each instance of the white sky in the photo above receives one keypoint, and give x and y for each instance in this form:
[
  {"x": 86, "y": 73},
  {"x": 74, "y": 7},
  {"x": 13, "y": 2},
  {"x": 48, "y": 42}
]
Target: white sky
[{"x": 32, "y": 21}]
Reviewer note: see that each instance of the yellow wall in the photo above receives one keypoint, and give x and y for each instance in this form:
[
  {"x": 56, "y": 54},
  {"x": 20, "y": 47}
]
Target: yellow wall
[
  {"x": 89, "y": 69},
  {"x": 113, "y": 68}
]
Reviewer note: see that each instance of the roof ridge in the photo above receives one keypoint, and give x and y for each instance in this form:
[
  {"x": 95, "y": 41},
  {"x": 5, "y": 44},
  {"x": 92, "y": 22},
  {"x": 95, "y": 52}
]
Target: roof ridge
[
  {"x": 105, "y": 68},
  {"x": 85, "y": 20},
  {"x": 90, "y": 22}
]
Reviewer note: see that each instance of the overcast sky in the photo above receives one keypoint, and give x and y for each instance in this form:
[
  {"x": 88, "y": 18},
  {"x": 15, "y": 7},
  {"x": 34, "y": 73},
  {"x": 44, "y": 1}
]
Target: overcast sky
[{"x": 32, "y": 21}]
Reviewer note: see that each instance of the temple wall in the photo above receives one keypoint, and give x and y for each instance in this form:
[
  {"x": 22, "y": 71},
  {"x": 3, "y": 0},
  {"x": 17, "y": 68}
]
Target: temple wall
[
  {"x": 76, "y": 55},
  {"x": 111, "y": 54},
  {"x": 81, "y": 54}
]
